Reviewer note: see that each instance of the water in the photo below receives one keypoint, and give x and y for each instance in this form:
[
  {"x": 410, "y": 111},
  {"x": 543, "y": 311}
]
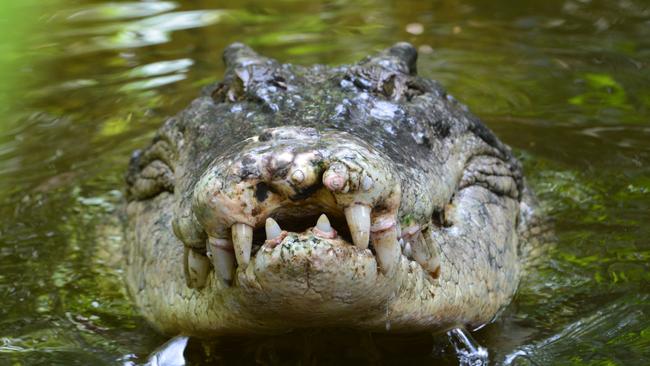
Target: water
[
  {"x": 469, "y": 353},
  {"x": 565, "y": 83}
]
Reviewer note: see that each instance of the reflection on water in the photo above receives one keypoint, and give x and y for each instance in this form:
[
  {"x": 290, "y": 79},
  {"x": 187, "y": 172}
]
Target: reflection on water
[
  {"x": 565, "y": 83},
  {"x": 139, "y": 33},
  {"x": 117, "y": 11}
]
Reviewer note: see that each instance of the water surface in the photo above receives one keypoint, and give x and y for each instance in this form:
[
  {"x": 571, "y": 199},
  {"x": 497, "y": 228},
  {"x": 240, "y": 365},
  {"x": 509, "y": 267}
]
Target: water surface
[{"x": 565, "y": 83}]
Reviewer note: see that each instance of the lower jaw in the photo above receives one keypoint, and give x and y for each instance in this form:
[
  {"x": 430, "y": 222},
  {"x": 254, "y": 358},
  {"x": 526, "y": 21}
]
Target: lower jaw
[
  {"x": 308, "y": 280},
  {"x": 301, "y": 284},
  {"x": 314, "y": 277}
]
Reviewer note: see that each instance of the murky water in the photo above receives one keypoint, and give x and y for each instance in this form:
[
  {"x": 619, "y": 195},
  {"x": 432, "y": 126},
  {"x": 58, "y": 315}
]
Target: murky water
[{"x": 565, "y": 83}]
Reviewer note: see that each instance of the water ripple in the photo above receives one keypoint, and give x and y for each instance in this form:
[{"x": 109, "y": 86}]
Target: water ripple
[
  {"x": 118, "y": 11},
  {"x": 160, "y": 68},
  {"x": 144, "y": 32},
  {"x": 611, "y": 325}
]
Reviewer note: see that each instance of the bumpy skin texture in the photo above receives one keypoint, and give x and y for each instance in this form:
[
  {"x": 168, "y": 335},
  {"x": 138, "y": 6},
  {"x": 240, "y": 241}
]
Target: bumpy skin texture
[{"x": 449, "y": 204}]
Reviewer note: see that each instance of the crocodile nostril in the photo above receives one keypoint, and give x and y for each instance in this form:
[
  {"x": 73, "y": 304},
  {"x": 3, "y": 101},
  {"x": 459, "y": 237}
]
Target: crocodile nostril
[
  {"x": 304, "y": 193},
  {"x": 261, "y": 191}
]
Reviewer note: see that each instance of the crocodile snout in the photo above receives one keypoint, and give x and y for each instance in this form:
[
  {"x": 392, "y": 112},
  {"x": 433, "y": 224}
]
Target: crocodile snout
[{"x": 294, "y": 180}]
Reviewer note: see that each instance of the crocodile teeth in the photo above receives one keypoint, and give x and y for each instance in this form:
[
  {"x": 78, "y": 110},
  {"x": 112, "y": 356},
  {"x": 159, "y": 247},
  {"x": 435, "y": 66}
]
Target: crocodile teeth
[
  {"x": 387, "y": 249},
  {"x": 272, "y": 228},
  {"x": 223, "y": 258},
  {"x": 324, "y": 228},
  {"x": 242, "y": 239},
  {"x": 198, "y": 267},
  {"x": 323, "y": 224},
  {"x": 358, "y": 217},
  {"x": 425, "y": 255}
]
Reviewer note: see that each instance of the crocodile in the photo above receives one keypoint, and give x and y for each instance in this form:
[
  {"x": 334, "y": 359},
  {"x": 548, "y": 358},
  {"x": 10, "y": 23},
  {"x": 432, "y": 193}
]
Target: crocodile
[{"x": 359, "y": 196}]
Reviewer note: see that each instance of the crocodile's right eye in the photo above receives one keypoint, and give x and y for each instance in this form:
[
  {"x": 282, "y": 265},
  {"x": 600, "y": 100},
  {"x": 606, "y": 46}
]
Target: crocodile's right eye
[{"x": 151, "y": 171}]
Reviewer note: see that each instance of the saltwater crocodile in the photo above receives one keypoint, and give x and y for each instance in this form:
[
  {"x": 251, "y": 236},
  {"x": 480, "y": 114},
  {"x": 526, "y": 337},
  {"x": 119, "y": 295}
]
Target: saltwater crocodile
[{"x": 361, "y": 196}]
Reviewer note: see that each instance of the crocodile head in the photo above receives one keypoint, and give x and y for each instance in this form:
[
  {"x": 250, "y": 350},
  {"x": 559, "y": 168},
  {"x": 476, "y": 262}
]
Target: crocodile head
[{"x": 359, "y": 196}]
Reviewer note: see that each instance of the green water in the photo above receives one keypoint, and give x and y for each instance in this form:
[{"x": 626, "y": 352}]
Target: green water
[{"x": 565, "y": 83}]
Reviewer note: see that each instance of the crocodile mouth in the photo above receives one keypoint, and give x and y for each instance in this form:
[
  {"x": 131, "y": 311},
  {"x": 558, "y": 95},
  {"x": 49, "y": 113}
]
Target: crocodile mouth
[
  {"x": 309, "y": 223},
  {"x": 307, "y": 192},
  {"x": 332, "y": 229},
  {"x": 325, "y": 226},
  {"x": 312, "y": 235}
]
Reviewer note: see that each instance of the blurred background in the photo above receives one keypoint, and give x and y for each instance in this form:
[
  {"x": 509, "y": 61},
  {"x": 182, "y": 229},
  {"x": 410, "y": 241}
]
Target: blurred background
[{"x": 566, "y": 83}]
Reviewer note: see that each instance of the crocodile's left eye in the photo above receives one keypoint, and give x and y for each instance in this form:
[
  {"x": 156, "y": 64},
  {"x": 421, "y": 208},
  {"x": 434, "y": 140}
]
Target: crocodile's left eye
[
  {"x": 494, "y": 174},
  {"x": 485, "y": 179},
  {"x": 151, "y": 171}
]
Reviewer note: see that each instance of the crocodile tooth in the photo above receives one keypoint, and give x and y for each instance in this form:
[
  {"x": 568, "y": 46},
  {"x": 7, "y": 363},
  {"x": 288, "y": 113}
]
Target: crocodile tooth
[
  {"x": 324, "y": 229},
  {"x": 323, "y": 224},
  {"x": 424, "y": 254},
  {"x": 242, "y": 239},
  {"x": 273, "y": 230},
  {"x": 223, "y": 258},
  {"x": 358, "y": 217},
  {"x": 198, "y": 267},
  {"x": 408, "y": 251},
  {"x": 387, "y": 249}
]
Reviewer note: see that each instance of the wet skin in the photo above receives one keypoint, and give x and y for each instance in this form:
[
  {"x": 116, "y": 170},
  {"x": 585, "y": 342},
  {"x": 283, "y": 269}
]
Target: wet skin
[{"x": 358, "y": 196}]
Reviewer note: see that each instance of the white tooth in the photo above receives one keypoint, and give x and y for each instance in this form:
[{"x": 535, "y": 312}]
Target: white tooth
[
  {"x": 408, "y": 251},
  {"x": 424, "y": 254},
  {"x": 224, "y": 263},
  {"x": 358, "y": 217},
  {"x": 323, "y": 224},
  {"x": 273, "y": 230},
  {"x": 366, "y": 183},
  {"x": 242, "y": 239},
  {"x": 223, "y": 258},
  {"x": 198, "y": 267},
  {"x": 387, "y": 249}
]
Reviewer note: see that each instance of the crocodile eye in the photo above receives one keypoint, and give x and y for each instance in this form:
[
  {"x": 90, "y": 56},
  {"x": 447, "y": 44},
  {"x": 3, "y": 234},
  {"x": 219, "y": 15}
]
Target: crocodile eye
[
  {"x": 230, "y": 90},
  {"x": 151, "y": 171},
  {"x": 491, "y": 173},
  {"x": 494, "y": 174}
]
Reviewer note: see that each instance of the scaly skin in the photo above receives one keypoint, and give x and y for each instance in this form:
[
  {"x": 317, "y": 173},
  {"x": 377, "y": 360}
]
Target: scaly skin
[{"x": 445, "y": 204}]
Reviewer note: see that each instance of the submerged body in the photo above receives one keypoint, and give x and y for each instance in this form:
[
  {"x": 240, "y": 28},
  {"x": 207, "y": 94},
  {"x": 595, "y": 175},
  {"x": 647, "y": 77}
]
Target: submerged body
[{"x": 358, "y": 196}]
